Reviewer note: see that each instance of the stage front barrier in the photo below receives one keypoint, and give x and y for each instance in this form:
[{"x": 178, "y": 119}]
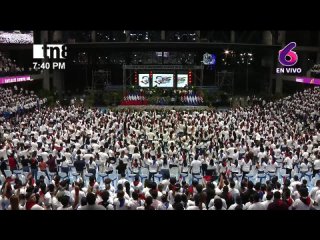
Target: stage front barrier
[
  {"x": 189, "y": 98},
  {"x": 134, "y": 99}
]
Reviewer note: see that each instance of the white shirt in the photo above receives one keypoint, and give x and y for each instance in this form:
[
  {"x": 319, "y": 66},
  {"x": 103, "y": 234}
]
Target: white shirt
[
  {"x": 233, "y": 206},
  {"x": 299, "y": 205},
  {"x": 165, "y": 206},
  {"x": 133, "y": 204},
  {"x": 211, "y": 203},
  {"x": 51, "y": 200},
  {"x": 316, "y": 164},
  {"x": 125, "y": 206},
  {"x": 266, "y": 203},
  {"x": 196, "y": 164},
  {"x": 153, "y": 167},
  {"x": 193, "y": 208},
  {"x": 313, "y": 192},
  {"x": 294, "y": 185},
  {"x": 256, "y": 206},
  {"x": 288, "y": 162},
  {"x": 67, "y": 208},
  {"x": 37, "y": 207},
  {"x": 246, "y": 165},
  {"x": 122, "y": 181},
  {"x": 234, "y": 192}
]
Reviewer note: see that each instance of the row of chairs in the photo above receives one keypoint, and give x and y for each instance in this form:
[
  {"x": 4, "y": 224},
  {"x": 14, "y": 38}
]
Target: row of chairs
[
  {"x": 73, "y": 175},
  {"x": 282, "y": 175}
]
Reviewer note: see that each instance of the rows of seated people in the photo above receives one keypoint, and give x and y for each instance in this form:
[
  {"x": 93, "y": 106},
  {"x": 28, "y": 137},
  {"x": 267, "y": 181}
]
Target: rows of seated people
[
  {"x": 9, "y": 67},
  {"x": 254, "y": 158},
  {"x": 16, "y": 37},
  {"x": 15, "y": 100}
]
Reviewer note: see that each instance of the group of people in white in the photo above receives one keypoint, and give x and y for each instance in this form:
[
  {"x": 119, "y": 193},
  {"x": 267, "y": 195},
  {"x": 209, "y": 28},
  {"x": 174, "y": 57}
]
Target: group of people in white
[
  {"x": 16, "y": 100},
  {"x": 254, "y": 158},
  {"x": 9, "y": 66},
  {"x": 16, "y": 37}
]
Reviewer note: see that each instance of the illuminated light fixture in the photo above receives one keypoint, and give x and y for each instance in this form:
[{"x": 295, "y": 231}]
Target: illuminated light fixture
[
  {"x": 190, "y": 77},
  {"x": 135, "y": 77},
  {"x": 226, "y": 51}
]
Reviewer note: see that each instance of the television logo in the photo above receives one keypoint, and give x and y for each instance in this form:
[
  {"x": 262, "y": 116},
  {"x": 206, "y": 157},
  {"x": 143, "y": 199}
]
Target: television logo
[
  {"x": 51, "y": 51},
  {"x": 209, "y": 59},
  {"x": 288, "y": 58}
]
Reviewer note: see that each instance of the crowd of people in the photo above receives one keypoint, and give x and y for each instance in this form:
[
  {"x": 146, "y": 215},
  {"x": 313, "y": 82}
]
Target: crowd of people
[
  {"x": 15, "y": 102},
  {"x": 254, "y": 158},
  {"x": 16, "y": 37},
  {"x": 9, "y": 67}
]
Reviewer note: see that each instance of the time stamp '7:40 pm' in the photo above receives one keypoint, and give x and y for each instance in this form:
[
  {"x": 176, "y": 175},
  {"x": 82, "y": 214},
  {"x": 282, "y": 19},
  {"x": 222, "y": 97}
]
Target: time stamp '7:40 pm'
[{"x": 48, "y": 65}]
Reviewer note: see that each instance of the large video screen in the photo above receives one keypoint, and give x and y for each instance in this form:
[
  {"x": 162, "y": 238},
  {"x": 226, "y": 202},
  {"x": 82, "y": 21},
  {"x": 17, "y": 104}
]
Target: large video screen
[
  {"x": 144, "y": 80},
  {"x": 182, "y": 80},
  {"x": 162, "y": 80},
  {"x": 16, "y": 37}
]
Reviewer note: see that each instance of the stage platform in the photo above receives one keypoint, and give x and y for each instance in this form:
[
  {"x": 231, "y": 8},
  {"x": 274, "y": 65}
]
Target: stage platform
[{"x": 164, "y": 107}]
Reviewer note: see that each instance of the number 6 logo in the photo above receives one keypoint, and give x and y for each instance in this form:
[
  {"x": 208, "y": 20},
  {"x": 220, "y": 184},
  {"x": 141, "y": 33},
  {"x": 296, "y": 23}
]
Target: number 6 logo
[{"x": 287, "y": 52}]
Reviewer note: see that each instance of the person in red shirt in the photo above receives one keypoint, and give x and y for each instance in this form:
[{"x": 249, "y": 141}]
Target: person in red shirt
[
  {"x": 278, "y": 204},
  {"x": 43, "y": 167},
  {"x": 286, "y": 196},
  {"x": 12, "y": 162},
  {"x": 31, "y": 200}
]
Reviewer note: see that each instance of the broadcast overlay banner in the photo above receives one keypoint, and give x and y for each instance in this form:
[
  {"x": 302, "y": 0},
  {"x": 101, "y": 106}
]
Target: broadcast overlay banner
[
  {"x": 314, "y": 81},
  {"x": 13, "y": 79}
]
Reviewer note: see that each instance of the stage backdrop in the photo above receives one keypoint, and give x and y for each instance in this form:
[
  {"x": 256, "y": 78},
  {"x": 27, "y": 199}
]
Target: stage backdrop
[
  {"x": 182, "y": 80},
  {"x": 144, "y": 80},
  {"x": 162, "y": 80}
]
